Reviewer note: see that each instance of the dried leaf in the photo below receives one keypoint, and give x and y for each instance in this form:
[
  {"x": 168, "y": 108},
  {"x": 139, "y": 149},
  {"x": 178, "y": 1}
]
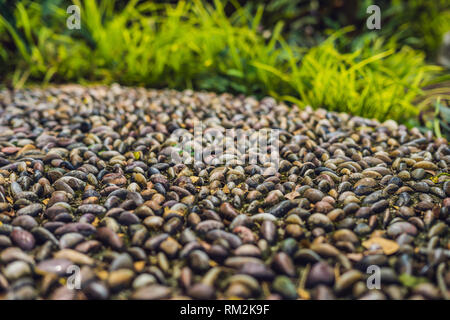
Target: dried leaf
[
  {"x": 388, "y": 246},
  {"x": 303, "y": 294},
  {"x": 95, "y": 222},
  {"x": 102, "y": 274},
  {"x": 139, "y": 265}
]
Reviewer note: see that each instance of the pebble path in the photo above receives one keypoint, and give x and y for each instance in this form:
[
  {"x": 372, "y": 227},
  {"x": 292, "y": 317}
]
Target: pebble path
[{"x": 93, "y": 207}]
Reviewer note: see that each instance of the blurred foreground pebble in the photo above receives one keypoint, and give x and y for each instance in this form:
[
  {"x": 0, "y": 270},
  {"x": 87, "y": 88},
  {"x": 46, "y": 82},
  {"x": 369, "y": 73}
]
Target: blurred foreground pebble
[{"x": 88, "y": 188}]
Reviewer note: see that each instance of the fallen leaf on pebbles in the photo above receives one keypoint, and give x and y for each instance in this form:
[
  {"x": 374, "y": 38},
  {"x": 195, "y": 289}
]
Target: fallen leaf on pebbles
[{"x": 389, "y": 247}]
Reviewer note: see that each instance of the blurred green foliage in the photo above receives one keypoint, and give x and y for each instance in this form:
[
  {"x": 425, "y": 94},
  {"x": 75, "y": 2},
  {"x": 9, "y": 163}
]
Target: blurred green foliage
[
  {"x": 420, "y": 24},
  {"x": 208, "y": 46},
  {"x": 435, "y": 118}
]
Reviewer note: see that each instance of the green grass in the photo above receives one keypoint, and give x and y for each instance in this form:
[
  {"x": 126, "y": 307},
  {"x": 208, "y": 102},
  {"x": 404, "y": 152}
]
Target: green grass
[
  {"x": 193, "y": 45},
  {"x": 420, "y": 24}
]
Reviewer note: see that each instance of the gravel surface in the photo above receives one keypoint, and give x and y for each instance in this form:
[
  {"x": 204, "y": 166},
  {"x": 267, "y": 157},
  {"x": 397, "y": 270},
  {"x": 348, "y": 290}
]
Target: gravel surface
[{"x": 93, "y": 206}]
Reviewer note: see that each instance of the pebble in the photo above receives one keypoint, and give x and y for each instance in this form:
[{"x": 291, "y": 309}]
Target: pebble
[
  {"x": 151, "y": 292},
  {"x": 201, "y": 291},
  {"x": 16, "y": 270},
  {"x": 320, "y": 273},
  {"x": 347, "y": 280},
  {"x": 31, "y": 210},
  {"x": 120, "y": 278},
  {"x": 22, "y": 238},
  {"x": 398, "y": 228},
  {"x": 284, "y": 286}
]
